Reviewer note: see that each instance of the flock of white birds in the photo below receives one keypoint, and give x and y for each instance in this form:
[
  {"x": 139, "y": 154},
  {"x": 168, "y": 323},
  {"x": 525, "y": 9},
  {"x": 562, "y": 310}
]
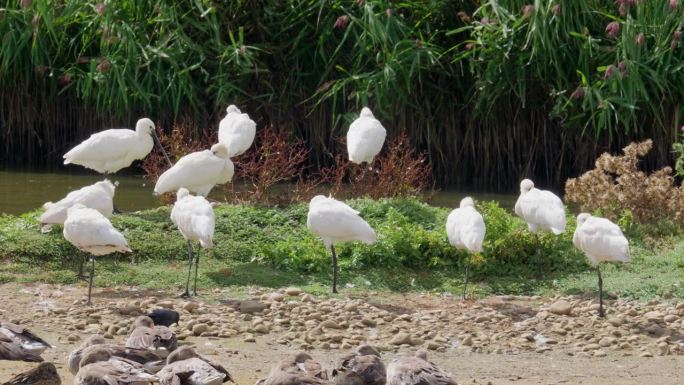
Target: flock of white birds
[{"x": 84, "y": 212}]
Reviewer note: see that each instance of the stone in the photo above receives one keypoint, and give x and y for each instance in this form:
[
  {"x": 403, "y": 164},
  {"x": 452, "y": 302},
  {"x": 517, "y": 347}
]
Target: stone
[
  {"x": 560, "y": 307},
  {"x": 401, "y": 339},
  {"x": 468, "y": 341},
  {"x": 199, "y": 329},
  {"x": 251, "y": 307},
  {"x": 369, "y": 322},
  {"x": 293, "y": 291},
  {"x": 165, "y": 304},
  {"x": 190, "y": 306},
  {"x": 73, "y": 337},
  {"x": 670, "y": 318},
  {"x": 249, "y": 337},
  {"x": 653, "y": 316},
  {"x": 599, "y": 353},
  {"x": 606, "y": 342},
  {"x": 646, "y": 354},
  {"x": 330, "y": 324}
]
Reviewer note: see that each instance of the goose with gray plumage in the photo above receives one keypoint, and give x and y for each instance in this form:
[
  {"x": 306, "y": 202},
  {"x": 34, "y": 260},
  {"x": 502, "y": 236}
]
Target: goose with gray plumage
[
  {"x": 150, "y": 360},
  {"x": 145, "y": 335},
  {"x": 43, "y": 374},
  {"x": 416, "y": 370},
  {"x": 363, "y": 367},
  {"x": 100, "y": 367},
  {"x": 186, "y": 367}
]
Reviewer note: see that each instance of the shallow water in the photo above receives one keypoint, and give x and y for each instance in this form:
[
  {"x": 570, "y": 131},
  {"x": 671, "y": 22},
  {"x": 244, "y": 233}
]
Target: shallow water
[{"x": 23, "y": 191}]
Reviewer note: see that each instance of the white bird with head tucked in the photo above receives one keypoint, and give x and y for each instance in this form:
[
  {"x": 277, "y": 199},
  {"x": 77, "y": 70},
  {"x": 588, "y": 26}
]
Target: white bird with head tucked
[
  {"x": 365, "y": 137},
  {"x": 334, "y": 222},
  {"x": 237, "y": 131},
  {"x": 91, "y": 232},
  {"x": 602, "y": 241},
  {"x": 195, "y": 219},
  {"x": 466, "y": 230},
  {"x": 111, "y": 150},
  {"x": 542, "y": 210},
  {"x": 198, "y": 171},
  {"x": 98, "y": 196}
]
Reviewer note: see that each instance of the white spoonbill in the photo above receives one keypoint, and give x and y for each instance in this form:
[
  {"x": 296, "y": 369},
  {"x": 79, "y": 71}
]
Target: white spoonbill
[
  {"x": 91, "y": 232},
  {"x": 602, "y": 241},
  {"x": 98, "y": 196},
  {"x": 237, "y": 131},
  {"x": 111, "y": 150},
  {"x": 198, "y": 171},
  {"x": 195, "y": 219},
  {"x": 466, "y": 230},
  {"x": 365, "y": 137},
  {"x": 541, "y": 209},
  {"x": 335, "y": 222}
]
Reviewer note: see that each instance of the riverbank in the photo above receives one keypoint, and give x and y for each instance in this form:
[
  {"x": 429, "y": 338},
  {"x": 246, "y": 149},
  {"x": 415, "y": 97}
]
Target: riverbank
[{"x": 496, "y": 340}]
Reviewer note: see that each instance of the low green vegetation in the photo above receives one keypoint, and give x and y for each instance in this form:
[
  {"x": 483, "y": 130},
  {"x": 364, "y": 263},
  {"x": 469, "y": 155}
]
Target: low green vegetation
[{"x": 272, "y": 247}]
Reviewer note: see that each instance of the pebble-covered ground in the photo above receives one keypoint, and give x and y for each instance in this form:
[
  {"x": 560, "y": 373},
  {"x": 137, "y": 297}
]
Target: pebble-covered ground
[{"x": 498, "y": 340}]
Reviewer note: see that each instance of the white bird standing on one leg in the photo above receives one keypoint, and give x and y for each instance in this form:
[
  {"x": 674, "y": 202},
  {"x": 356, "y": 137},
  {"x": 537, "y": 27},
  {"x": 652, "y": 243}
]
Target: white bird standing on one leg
[
  {"x": 365, "y": 137},
  {"x": 198, "y": 171},
  {"x": 542, "y": 210},
  {"x": 334, "y": 222},
  {"x": 466, "y": 230},
  {"x": 195, "y": 219},
  {"x": 91, "y": 232},
  {"x": 98, "y": 196},
  {"x": 602, "y": 241},
  {"x": 111, "y": 150},
  {"x": 237, "y": 131}
]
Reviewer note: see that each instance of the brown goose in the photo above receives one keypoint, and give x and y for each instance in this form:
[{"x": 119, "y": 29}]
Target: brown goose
[
  {"x": 186, "y": 367},
  {"x": 277, "y": 377},
  {"x": 146, "y": 335},
  {"x": 99, "y": 367},
  {"x": 24, "y": 337},
  {"x": 301, "y": 362},
  {"x": 12, "y": 351},
  {"x": 363, "y": 367},
  {"x": 416, "y": 371},
  {"x": 150, "y": 360},
  {"x": 43, "y": 374}
]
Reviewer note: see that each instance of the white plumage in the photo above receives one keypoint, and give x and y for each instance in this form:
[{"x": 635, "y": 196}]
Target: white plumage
[
  {"x": 198, "y": 171},
  {"x": 91, "y": 232},
  {"x": 194, "y": 217},
  {"x": 335, "y": 222},
  {"x": 237, "y": 131},
  {"x": 465, "y": 227},
  {"x": 466, "y": 230},
  {"x": 365, "y": 137},
  {"x": 541, "y": 209},
  {"x": 601, "y": 241},
  {"x": 109, "y": 151},
  {"x": 98, "y": 196}
]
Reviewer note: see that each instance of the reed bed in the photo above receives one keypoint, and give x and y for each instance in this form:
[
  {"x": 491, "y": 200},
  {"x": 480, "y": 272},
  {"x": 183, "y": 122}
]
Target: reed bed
[{"x": 490, "y": 90}]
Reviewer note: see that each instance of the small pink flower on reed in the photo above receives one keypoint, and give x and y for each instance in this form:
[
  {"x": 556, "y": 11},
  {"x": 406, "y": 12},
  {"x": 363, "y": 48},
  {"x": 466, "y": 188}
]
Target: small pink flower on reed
[
  {"x": 681, "y": 128},
  {"x": 674, "y": 4},
  {"x": 622, "y": 66},
  {"x": 469, "y": 46},
  {"x": 100, "y": 8},
  {"x": 578, "y": 93},
  {"x": 610, "y": 71},
  {"x": 639, "y": 39},
  {"x": 341, "y": 22},
  {"x": 613, "y": 29},
  {"x": 104, "y": 66},
  {"x": 388, "y": 12},
  {"x": 556, "y": 9},
  {"x": 528, "y": 10},
  {"x": 360, "y": 2},
  {"x": 464, "y": 17},
  {"x": 25, "y": 3},
  {"x": 677, "y": 36},
  {"x": 64, "y": 80}
]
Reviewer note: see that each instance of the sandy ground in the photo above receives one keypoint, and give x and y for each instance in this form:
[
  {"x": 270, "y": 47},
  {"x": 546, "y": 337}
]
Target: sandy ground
[{"x": 249, "y": 361}]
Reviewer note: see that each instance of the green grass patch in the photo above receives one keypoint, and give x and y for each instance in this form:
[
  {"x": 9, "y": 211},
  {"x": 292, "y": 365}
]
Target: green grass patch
[{"x": 271, "y": 247}]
